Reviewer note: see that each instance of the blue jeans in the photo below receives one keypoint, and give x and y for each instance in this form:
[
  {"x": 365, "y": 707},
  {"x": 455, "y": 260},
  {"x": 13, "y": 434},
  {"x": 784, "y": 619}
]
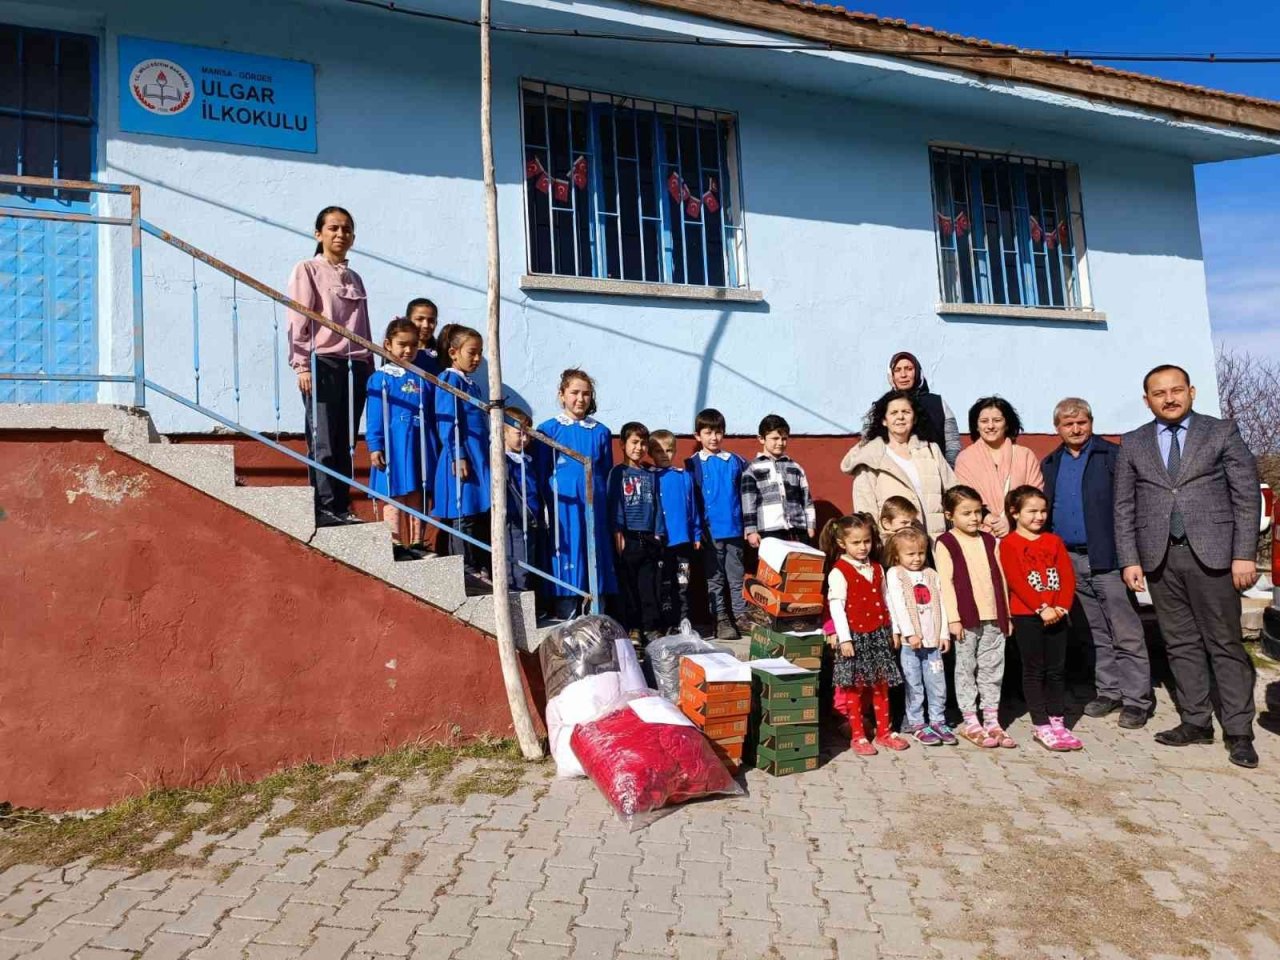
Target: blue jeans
[
  {"x": 923, "y": 672},
  {"x": 722, "y": 561}
]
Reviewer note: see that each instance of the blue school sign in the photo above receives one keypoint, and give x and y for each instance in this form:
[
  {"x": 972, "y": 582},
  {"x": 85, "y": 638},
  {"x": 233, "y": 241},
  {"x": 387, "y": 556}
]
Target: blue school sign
[{"x": 176, "y": 90}]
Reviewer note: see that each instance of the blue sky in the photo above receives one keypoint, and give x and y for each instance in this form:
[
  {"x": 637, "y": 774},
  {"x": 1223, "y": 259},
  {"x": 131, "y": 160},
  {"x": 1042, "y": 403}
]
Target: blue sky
[{"x": 1239, "y": 201}]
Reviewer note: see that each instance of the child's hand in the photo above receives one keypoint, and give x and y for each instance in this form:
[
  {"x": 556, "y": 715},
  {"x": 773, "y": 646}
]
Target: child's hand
[
  {"x": 461, "y": 470},
  {"x": 957, "y": 630},
  {"x": 304, "y": 382},
  {"x": 812, "y": 533},
  {"x": 914, "y": 642},
  {"x": 897, "y": 641},
  {"x": 378, "y": 459},
  {"x": 697, "y": 544},
  {"x": 945, "y": 644},
  {"x": 619, "y": 541},
  {"x": 846, "y": 649},
  {"x": 754, "y": 540},
  {"x": 1050, "y": 615},
  {"x": 832, "y": 641}
]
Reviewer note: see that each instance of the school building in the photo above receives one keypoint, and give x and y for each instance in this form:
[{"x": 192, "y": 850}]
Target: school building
[{"x": 746, "y": 204}]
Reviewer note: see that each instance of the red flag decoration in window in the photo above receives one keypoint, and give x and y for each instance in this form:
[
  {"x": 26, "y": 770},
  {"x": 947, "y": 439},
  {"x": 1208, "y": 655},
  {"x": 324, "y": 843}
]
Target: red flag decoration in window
[
  {"x": 1036, "y": 233},
  {"x": 675, "y": 187},
  {"x": 960, "y": 225},
  {"x": 1063, "y": 233},
  {"x": 543, "y": 182},
  {"x": 711, "y": 199}
]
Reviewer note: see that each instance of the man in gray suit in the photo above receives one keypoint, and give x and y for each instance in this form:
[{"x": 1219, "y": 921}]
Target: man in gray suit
[{"x": 1187, "y": 513}]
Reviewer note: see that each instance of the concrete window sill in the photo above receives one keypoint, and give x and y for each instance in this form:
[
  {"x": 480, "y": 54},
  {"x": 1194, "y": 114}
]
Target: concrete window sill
[
  {"x": 632, "y": 288},
  {"x": 1021, "y": 313}
]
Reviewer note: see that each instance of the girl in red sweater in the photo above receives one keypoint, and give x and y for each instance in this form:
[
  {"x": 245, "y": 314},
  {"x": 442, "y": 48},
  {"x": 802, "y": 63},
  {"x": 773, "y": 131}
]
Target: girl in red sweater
[
  {"x": 865, "y": 662},
  {"x": 1042, "y": 584}
]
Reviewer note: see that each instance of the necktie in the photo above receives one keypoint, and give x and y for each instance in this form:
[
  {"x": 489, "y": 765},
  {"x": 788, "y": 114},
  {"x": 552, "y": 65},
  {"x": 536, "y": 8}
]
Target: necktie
[{"x": 1177, "y": 529}]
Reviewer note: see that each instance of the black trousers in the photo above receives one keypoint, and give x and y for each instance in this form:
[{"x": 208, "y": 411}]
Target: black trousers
[
  {"x": 1198, "y": 610},
  {"x": 475, "y": 525},
  {"x": 638, "y": 574},
  {"x": 673, "y": 584},
  {"x": 339, "y": 407},
  {"x": 1043, "y": 651}
]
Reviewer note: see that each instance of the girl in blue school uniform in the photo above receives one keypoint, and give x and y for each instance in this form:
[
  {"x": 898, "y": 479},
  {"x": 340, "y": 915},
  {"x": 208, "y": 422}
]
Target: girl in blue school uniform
[
  {"x": 400, "y": 450},
  {"x": 460, "y": 493},
  {"x": 565, "y": 493}
]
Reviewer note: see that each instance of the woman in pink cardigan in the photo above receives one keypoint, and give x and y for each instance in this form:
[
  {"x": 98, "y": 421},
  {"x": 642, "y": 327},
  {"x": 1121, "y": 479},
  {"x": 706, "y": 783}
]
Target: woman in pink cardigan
[{"x": 993, "y": 464}]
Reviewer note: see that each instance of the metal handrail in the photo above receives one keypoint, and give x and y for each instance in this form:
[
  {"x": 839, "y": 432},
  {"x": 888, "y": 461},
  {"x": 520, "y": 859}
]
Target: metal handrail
[{"x": 138, "y": 226}]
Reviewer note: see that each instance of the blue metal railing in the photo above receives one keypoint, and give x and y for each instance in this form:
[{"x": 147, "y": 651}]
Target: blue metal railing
[{"x": 142, "y": 384}]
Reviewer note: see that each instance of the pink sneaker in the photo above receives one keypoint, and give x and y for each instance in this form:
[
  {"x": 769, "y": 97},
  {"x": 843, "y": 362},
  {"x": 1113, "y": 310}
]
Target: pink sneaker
[{"x": 1068, "y": 739}]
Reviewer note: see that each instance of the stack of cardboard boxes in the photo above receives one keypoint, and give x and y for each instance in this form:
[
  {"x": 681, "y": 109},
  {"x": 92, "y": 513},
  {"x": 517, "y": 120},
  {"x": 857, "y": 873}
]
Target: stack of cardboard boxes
[
  {"x": 786, "y": 651},
  {"x": 715, "y": 693}
]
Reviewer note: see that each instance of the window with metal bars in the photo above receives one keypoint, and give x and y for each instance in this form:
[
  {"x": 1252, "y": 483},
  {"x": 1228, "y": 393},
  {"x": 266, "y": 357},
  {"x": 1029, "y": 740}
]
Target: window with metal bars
[
  {"x": 1010, "y": 230},
  {"x": 47, "y": 111},
  {"x": 626, "y": 189}
]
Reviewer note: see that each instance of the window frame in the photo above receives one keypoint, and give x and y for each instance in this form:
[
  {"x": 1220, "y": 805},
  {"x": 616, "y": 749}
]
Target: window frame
[
  {"x": 42, "y": 198},
  {"x": 1072, "y": 272},
  {"x": 596, "y": 258}
]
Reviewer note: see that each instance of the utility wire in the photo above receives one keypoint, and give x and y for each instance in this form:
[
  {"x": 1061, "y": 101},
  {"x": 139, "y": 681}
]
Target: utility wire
[{"x": 986, "y": 54}]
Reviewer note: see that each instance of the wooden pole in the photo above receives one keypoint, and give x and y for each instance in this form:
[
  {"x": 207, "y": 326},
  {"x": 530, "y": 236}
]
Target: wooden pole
[{"x": 530, "y": 745}]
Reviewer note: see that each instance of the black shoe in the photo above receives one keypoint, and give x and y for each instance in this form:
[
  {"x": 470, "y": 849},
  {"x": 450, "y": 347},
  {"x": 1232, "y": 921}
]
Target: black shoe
[
  {"x": 1185, "y": 734},
  {"x": 326, "y": 518},
  {"x": 1240, "y": 751},
  {"x": 347, "y": 516},
  {"x": 1134, "y": 718},
  {"x": 1100, "y": 707},
  {"x": 399, "y": 553}
]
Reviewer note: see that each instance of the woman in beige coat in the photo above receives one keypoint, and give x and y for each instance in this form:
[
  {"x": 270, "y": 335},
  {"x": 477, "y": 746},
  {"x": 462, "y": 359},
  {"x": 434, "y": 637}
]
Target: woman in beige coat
[
  {"x": 894, "y": 459},
  {"x": 994, "y": 464}
]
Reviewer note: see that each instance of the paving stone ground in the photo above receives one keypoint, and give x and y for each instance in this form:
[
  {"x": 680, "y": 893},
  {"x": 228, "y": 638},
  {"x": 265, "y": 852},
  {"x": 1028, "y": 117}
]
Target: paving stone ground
[{"x": 1124, "y": 850}]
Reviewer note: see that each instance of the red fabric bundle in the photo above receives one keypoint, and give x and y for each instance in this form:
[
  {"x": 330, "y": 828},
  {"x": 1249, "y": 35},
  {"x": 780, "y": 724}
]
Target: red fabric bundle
[{"x": 641, "y": 766}]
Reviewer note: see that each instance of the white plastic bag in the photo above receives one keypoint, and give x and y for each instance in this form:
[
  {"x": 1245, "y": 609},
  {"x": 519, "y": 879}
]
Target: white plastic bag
[{"x": 664, "y": 656}]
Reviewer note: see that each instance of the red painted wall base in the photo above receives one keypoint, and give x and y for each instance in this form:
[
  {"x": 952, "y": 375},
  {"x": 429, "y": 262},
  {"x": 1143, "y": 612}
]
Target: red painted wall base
[{"x": 152, "y": 635}]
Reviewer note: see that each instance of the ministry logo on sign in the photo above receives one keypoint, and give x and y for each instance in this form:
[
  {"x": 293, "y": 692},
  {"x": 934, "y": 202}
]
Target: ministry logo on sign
[{"x": 161, "y": 87}]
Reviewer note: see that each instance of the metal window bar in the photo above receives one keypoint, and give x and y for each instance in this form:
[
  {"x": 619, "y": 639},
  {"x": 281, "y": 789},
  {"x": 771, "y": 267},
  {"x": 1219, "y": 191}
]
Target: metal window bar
[
  {"x": 1036, "y": 188},
  {"x": 661, "y": 115},
  {"x": 142, "y": 384}
]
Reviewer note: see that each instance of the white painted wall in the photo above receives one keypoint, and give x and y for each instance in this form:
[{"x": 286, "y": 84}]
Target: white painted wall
[{"x": 839, "y": 232}]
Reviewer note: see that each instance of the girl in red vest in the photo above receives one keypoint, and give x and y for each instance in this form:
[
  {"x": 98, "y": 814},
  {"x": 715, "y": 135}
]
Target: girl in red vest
[{"x": 865, "y": 662}]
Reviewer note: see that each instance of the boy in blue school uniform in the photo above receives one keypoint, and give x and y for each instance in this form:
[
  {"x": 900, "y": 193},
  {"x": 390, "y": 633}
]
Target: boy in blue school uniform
[
  {"x": 684, "y": 528},
  {"x": 717, "y": 481},
  {"x": 639, "y": 528},
  {"x": 524, "y": 506}
]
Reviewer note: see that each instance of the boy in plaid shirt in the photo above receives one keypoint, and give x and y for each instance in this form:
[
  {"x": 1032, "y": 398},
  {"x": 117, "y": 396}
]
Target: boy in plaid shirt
[{"x": 775, "y": 490}]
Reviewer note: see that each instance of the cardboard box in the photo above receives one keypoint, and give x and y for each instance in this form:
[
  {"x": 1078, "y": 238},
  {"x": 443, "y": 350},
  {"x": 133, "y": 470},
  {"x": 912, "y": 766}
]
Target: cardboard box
[
  {"x": 720, "y": 728},
  {"x": 731, "y": 749},
  {"x": 781, "y": 714},
  {"x": 780, "y": 679},
  {"x": 769, "y": 755},
  {"x": 789, "y": 566},
  {"x": 774, "y": 643},
  {"x": 708, "y": 673},
  {"x": 784, "y": 768},
  {"x": 778, "y": 603},
  {"x": 700, "y": 709},
  {"x": 787, "y": 623},
  {"x": 786, "y": 737}
]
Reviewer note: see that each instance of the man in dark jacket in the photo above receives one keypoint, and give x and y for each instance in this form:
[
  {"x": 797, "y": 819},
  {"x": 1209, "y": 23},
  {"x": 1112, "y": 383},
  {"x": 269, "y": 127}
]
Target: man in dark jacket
[
  {"x": 1079, "y": 487},
  {"x": 1187, "y": 513}
]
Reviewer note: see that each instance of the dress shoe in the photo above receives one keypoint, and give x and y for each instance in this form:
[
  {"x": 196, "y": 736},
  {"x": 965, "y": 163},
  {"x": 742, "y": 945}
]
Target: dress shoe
[
  {"x": 1133, "y": 718},
  {"x": 1185, "y": 734},
  {"x": 1100, "y": 707},
  {"x": 1240, "y": 751},
  {"x": 326, "y": 518}
]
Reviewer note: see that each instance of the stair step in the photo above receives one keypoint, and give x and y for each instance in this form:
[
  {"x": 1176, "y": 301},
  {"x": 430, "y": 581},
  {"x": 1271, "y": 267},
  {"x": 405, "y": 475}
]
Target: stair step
[
  {"x": 479, "y": 612},
  {"x": 438, "y": 580},
  {"x": 210, "y": 468},
  {"x": 365, "y": 546},
  {"x": 290, "y": 509}
]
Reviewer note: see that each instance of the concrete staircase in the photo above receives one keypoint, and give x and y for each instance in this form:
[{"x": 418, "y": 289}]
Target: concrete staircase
[{"x": 210, "y": 468}]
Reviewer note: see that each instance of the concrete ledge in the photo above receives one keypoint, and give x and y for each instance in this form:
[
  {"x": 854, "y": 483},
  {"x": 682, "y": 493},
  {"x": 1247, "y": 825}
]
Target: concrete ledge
[
  {"x": 1051, "y": 314},
  {"x": 123, "y": 425},
  {"x": 632, "y": 288}
]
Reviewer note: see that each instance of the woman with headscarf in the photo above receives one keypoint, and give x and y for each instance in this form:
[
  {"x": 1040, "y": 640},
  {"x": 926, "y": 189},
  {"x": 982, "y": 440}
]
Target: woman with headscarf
[{"x": 906, "y": 374}]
